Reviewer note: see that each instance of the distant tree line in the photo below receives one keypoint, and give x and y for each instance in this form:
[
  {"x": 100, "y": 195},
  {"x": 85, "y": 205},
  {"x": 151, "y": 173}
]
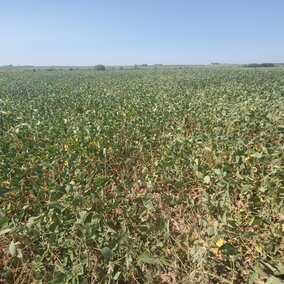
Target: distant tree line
[
  {"x": 100, "y": 67},
  {"x": 256, "y": 65}
]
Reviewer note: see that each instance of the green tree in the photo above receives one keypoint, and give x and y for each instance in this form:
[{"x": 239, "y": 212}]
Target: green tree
[{"x": 100, "y": 67}]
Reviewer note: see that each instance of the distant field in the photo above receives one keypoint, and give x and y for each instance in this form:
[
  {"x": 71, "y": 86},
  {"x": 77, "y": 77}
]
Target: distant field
[{"x": 142, "y": 176}]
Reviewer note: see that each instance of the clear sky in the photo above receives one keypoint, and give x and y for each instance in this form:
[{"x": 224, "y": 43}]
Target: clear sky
[{"x": 121, "y": 32}]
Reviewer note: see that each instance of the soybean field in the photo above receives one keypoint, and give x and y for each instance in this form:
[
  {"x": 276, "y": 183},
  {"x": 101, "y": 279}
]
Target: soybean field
[{"x": 160, "y": 175}]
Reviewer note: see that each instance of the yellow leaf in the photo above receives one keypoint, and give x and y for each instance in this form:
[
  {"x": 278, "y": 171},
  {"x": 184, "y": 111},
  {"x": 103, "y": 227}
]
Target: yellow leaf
[
  {"x": 215, "y": 251},
  {"x": 66, "y": 147},
  {"x": 258, "y": 249},
  {"x": 220, "y": 243}
]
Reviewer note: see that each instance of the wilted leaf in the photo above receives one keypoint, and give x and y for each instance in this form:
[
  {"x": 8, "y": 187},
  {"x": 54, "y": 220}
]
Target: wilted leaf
[
  {"x": 207, "y": 179},
  {"x": 12, "y": 248},
  {"x": 5, "y": 231}
]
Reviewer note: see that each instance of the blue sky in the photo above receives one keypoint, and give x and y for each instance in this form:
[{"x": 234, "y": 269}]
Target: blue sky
[{"x": 122, "y": 32}]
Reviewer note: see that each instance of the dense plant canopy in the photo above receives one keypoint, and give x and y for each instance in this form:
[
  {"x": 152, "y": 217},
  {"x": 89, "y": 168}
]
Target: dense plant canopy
[{"x": 146, "y": 176}]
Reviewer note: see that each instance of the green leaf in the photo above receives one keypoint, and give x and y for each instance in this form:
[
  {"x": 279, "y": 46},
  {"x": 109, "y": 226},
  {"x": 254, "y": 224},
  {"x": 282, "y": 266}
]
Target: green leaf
[
  {"x": 116, "y": 275},
  {"x": 280, "y": 270},
  {"x": 210, "y": 231},
  {"x": 257, "y": 155},
  {"x": 110, "y": 229},
  {"x": 83, "y": 216},
  {"x": 276, "y": 270},
  {"x": 106, "y": 253},
  {"x": 148, "y": 204},
  {"x": 3, "y": 219},
  {"x": 217, "y": 172},
  {"x": 262, "y": 189},
  {"x": 146, "y": 258},
  {"x": 57, "y": 277},
  {"x": 229, "y": 249},
  {"x": 3, "y": 190}
]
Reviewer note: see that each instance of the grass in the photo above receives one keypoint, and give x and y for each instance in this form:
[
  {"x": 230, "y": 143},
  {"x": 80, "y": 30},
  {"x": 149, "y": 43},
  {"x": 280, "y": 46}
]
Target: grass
[{"x": 142, "y": 176}]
